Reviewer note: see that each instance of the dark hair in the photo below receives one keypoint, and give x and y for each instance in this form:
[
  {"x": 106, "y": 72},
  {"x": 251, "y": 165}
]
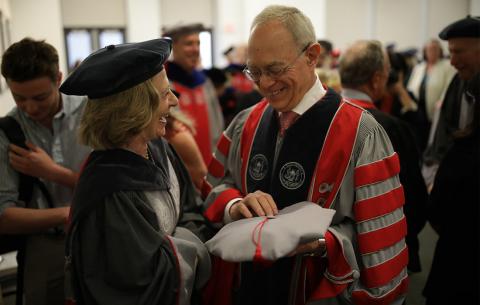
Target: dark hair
[
  {"x": 179, "y": 31},
  {"x": 29, "y": 59},
  {"x": 327, "y": 45},
  {"x": 217, "y": 76},
  {"x": 398, "y": 64}
]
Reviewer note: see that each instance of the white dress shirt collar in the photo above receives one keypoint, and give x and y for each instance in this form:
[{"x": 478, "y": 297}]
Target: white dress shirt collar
[
  {"x": 355, "y": 94},
  {"x": 313, "y": 95}
]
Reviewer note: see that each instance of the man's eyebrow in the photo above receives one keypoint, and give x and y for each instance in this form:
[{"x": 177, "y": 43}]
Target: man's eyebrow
[
  {"x": 43, "y": 94},
  {"x": 271, "y": 64}
]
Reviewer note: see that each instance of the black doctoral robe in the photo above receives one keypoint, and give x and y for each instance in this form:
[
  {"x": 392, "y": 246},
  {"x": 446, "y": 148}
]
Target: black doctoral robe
[{"x": 117, "y": 252}]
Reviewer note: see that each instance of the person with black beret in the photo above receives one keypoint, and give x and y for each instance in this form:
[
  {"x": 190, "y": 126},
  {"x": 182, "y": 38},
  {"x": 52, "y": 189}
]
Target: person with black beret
[
  {"x": 453, "y": 208},
  {"x": 457, "y": 106},
  {"x": 129, "y": 241}
]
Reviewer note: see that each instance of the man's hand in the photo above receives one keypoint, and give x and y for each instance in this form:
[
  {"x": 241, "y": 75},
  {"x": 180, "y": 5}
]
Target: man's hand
[
  {"x": 34, "y": 162},
  {"x": 254, "y": 204}
]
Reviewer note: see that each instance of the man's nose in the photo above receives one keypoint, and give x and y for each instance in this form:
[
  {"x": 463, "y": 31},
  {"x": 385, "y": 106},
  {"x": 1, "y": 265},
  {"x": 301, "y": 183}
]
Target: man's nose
[
  {"x": 30, "y": 107},
  {"x": 265, "y": 80},
  {"x": 453, "y": 60}
]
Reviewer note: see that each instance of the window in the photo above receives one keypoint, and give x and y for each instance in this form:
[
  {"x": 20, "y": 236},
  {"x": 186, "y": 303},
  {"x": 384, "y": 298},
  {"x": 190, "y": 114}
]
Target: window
[
  {"x": 80, "y": 42},
  {"x": 206, "y": 49},
  {"x": 4, "y": 43}
]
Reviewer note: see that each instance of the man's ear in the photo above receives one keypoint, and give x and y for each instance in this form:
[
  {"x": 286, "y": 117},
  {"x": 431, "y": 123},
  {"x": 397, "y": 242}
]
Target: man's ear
[
  {"x": 59, "y": 78},
  {"x": 313, "y": 53},
  {"x": 376, "y": 82}
]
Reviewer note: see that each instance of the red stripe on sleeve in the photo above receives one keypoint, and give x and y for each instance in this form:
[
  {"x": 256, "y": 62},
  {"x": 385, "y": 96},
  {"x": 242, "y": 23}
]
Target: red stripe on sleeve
[
  {"x": 377, "y": 171},
  {"x": 223, "y": 144},
  {"x": 376, "y": 240},
  {"x": 379, "y": 205},
  {"x": 215, "y": 211},
  {"x": 382, "y": 274},
  {"x": 215, "y": 168},
  {"x": 363, "y": 298},
  {"x": 337, "y": 266}
]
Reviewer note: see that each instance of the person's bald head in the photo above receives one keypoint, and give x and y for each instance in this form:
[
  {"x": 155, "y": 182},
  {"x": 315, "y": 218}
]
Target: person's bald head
[{"x": 365, "y": 66}]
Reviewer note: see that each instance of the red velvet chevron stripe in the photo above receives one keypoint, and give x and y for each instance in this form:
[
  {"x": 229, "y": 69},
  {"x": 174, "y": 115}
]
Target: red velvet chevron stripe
[
  {"x": 379, "y": 239},
  {"x": 379, "y": 205},
  {"x": 215, "y": 211},
  {"x": 377, "y": 171}
]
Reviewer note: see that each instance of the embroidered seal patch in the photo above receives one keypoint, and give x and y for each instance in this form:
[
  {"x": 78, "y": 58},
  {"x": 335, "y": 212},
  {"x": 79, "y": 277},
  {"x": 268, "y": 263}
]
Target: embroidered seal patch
[
  {"x": 292, "y": 175},
  {"x": 258, "y": 167}
]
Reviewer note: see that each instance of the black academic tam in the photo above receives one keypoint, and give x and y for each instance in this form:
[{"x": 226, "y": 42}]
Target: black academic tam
[
  {"x": 116, "y": 68},
  {"x": 468, "y": 27}
]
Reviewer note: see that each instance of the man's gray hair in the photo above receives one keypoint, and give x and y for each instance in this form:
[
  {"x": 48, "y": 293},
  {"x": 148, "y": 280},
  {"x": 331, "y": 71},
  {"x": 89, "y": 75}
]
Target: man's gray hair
[
  {"x": 360, "y": 62},
  {"x": 296, "y": 22}
]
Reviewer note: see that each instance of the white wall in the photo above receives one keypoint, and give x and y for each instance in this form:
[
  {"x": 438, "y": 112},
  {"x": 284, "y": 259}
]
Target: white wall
[
  {"x": 443, "y": 12},
  {"x": 407, "y": 23},
  {"x": 475, "y": 7},
  {"x": 346, "y": 21},
  {"x": 234, "y": 18},
  {"x": 6, "y": 101},
  {"x": 143, "y": 22},
  {"x": 38, "y": 20},
  {"x": 229, "y": 27},
  {"x": 174, "y": 12},
  {"x": 93, "y": 13}
]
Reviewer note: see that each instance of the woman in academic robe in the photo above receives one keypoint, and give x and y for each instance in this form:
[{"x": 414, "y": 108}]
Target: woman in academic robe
[{"x": 134, "y": 211}]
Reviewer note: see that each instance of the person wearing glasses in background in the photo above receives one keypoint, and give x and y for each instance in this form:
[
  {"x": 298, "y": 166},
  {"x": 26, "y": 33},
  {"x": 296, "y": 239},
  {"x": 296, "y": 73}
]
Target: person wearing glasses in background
[{"x": 333, "y": 154}]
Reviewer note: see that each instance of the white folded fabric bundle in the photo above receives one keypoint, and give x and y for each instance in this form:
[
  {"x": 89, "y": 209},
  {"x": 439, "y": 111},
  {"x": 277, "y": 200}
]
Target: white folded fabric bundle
[{"x": 264, "y": 238}]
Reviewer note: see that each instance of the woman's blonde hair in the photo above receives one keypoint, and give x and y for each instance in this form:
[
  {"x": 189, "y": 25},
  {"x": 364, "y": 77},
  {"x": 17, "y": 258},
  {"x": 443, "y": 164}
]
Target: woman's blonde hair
[{"x": 111, "y": 121}]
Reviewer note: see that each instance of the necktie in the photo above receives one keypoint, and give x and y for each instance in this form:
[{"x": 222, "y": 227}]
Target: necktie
[{"x": 286, "y": 119}]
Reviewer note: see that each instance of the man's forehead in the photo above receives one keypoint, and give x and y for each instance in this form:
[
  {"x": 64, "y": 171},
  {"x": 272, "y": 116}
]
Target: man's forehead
[
  {"x": 464, "y": 43},
  {"x": 268, "y": 56},
  {"x": 188, "y": 38}
]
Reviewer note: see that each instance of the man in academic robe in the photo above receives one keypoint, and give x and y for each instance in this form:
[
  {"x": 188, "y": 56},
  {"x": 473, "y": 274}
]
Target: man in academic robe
[
  {"x": 364, "y": 69},
  {"x": 334, "y": 154}
]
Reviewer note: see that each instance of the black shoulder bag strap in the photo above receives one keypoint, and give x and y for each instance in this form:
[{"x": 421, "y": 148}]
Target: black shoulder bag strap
[{"x": 15, "y": 135}]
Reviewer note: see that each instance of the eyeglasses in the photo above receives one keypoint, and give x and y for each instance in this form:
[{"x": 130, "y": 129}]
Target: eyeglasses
[{"x": 273, "y": 72}]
